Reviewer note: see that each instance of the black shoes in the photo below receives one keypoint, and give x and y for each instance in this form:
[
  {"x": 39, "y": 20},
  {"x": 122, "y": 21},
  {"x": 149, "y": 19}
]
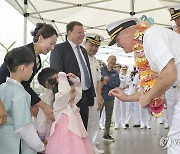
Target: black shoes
[
  {"x": 127, "y": 125},
  {"x": 108, "y": 138},
  {"x": 136, "y": 126}
]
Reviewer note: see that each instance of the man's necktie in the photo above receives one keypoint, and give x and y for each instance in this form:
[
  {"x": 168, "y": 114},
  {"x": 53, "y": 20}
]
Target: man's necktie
[{"x": 85, "y": 69}]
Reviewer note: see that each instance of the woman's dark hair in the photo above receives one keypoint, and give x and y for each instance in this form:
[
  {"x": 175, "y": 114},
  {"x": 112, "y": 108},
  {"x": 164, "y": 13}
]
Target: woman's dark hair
[
  {"x": 46, "y": 76},
  {"x": 70, "y": 26},
  {"x": 18, "y": 56},
  {"x": 46, "y": 30}
]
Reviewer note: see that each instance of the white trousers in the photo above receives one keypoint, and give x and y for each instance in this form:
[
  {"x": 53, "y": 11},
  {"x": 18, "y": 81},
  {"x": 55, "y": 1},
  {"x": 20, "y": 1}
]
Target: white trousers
[
  {"x": 174, "y": 132},
  {"x": 145, "y": 117},
  {"x": 171, "y": 100},
  {"x": 129, "y": 111},
  {"x": 93, "y": 123},
  {"x": 137, "y": 108},
  {"x": 164, "y": 118},
  {"x": 102, "y": 118},
  {"x": 123, "y": 113},
  {"x": 117, "y": 112}
]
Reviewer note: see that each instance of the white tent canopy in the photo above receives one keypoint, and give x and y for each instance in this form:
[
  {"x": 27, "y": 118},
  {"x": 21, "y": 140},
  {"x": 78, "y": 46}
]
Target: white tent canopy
[{"x": 94, "y": 14}]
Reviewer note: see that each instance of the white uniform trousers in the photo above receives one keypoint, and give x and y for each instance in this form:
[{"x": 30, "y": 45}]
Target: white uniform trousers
[
  {"x": 117, "y": 113},
  {"x": 137, "y": 108},
  {"x": 145, "y": 117},
  {"x": 102, "y": 118},
  {"x": 123, "y": 113},
  {"x": 164, "y": 118},
  {"x": 123, "y": 107},
  {"x": 174, "y": 132},
  {"x": 93, "y": 123},
  {"x": 171, "y": 100},
  {"x": 129, "y": 111}
]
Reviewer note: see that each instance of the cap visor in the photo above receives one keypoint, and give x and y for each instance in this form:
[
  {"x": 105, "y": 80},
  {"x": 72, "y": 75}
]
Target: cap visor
[{"x": 112, "y": 43}]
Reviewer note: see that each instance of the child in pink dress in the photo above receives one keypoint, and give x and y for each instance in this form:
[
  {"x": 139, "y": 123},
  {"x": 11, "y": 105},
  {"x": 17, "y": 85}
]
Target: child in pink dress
[
  {"x": 68, "y": 135},
  {"x": 47, "y": 78}
]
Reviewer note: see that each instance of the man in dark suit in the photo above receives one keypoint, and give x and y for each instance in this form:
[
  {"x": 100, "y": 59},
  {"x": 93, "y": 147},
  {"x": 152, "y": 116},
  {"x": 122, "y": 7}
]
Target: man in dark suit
[{"x": 70, "y": 57}]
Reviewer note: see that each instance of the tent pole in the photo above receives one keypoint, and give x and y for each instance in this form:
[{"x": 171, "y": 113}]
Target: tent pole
[
  {"x": 25, "y": 23},
  {"x": 132, "y": 13}
]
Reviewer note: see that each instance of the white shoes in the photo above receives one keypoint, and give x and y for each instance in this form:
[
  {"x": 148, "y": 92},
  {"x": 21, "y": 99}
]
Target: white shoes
[
  {"x": 97, "y": 143},
  {"x": 116, "y": 128},
  {"x": 101, "y": 126},
  {"x": 148, "y": 127},
  {"x": 124, "y": 126},
  {"x": 97, "y": 151},
  {"x": 160, "y": 121},
  {"x": 142, "y": 126},
  {"x": 166, "y": 126}
]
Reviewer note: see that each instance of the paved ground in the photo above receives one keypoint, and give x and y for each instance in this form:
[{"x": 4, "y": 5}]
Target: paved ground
[{"x": 135, "y": 140}]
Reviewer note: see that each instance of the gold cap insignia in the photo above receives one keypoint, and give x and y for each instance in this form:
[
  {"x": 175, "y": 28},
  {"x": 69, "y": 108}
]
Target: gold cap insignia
[
  {"x": 171, "y": 10},
  {"x": 97, "y": 38}
]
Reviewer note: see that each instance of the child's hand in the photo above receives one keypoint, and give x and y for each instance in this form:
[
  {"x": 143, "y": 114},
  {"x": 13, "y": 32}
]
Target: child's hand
[
  {"x": 45, "y": 142},
  {"x": 71, "y": 75}
]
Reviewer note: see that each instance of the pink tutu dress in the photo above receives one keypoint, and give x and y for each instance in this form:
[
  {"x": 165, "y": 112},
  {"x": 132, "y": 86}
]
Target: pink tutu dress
[{"x": 68, "y": 135}]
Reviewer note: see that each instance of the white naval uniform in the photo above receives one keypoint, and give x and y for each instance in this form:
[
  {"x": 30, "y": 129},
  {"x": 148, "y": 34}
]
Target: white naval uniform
[
  {"x": 117, "y": 111},
  {"x": 137, "y": 105},
  {"x": 102, "y": 119},
  {"x": 142, "y": 115},
  {"x": 94, "y": 115},
  {"x": 171, "y": 100},
  {"x": 145, "y": 118},
  {"x": 160, "y": 46},
  {"x": 129, "y": 105},
  {"x": 123, "y": 84},
  {"x": 170, "y": 96}
]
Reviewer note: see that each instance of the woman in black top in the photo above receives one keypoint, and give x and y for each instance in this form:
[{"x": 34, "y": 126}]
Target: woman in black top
[{"x": 45, "y": 38}]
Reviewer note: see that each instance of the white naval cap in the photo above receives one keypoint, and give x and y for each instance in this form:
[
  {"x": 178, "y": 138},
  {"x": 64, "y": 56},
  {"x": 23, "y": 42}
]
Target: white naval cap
[
  {"x": 125, "y": 67},
  {"x": 94, "y": 38},
  {"x": 174, "y": 11},
  {"x": 114, "y": 28}
]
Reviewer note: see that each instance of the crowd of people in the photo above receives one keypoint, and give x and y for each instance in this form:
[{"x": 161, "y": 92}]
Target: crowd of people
[{"x": 80, "y": 95}]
